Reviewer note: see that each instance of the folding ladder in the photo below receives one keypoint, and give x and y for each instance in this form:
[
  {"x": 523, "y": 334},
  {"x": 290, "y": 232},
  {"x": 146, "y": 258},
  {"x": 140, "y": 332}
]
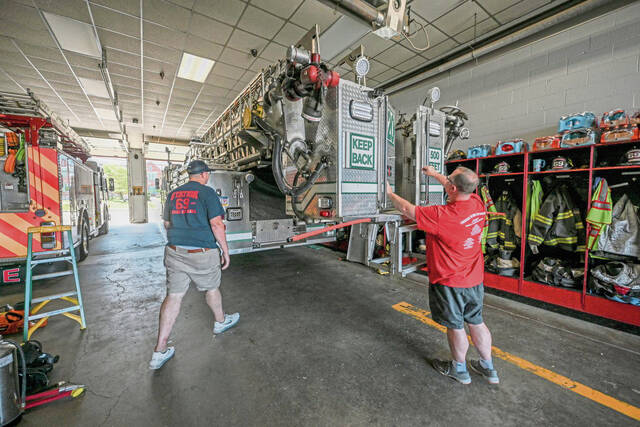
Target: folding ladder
[{"x": 74, "y": 297}]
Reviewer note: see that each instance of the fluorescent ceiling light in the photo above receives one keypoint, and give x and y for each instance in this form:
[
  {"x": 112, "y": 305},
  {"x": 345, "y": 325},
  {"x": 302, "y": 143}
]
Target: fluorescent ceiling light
[
  {"x": 94, "y": 87},
  {"x": 74, "y": 35},
  {"x": 106, "y": 114},
  {"x": 339, "y": 36},
  {"x": 194, "y": 67}
]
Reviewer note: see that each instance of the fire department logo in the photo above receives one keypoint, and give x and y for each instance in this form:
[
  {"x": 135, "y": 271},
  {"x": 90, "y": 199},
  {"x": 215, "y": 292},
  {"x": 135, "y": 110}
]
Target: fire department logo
[
  {"x": 475, "y": 230},
  {"x": 468, "y": 244}
]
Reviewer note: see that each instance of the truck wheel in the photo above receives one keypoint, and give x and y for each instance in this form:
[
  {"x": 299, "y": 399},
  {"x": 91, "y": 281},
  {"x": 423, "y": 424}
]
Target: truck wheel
[
  {"x": 104, "y": 229},
  {"x": 84, "y": 241}
]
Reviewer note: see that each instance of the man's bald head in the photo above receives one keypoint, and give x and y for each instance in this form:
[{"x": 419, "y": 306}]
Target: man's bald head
[{"x": 464, "y": 179}]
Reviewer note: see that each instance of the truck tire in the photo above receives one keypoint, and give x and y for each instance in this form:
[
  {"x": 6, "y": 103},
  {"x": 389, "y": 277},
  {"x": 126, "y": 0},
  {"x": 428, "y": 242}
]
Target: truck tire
[
  {"x": 83, "y": 247},
  {"x": 104, "y": 228}
]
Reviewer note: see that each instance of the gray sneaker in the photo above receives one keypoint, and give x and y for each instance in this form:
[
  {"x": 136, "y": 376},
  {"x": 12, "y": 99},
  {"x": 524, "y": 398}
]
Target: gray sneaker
[
  {"x": 491, "y": 375},
  {"x": 160, "y": 358},
  {"x": 447, "y": 369},
  {"x": 230, "y": 321}
]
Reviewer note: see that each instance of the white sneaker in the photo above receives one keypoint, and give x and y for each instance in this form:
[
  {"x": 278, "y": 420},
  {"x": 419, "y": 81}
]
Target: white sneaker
[
  {"x": 159, "y": 358},
  {"x": 230, "y": 321}
]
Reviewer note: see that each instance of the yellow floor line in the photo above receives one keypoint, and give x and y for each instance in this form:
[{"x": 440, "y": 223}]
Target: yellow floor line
[{"x": 581, "y": 389}]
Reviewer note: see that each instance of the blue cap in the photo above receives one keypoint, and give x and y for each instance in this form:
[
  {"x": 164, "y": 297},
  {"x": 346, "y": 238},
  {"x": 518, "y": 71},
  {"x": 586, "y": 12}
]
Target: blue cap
[{"x": 197, "y": 166}]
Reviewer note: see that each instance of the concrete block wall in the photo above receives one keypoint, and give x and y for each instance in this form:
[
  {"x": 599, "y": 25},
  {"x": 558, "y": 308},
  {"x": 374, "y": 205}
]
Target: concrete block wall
[{"x": 521, "y": 93}]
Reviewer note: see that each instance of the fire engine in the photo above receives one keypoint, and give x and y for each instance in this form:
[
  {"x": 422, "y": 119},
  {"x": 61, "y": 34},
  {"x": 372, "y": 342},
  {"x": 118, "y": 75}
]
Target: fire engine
[{"x": 44, "y": 180}]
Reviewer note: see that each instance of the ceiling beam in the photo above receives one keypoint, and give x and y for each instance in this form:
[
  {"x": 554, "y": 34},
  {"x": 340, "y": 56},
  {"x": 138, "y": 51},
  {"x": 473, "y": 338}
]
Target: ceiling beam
[{"x": 164, "y": 140}]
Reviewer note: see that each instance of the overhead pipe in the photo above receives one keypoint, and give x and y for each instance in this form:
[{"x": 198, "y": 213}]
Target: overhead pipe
[
  {"x": 521, "y": 29},
  {"x": 357, "y": 9}
]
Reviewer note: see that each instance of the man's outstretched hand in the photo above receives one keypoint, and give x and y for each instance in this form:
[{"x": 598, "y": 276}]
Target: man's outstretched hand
[
  {"x": 429, "y": 171},
  {"x": 389, "y": 189}
]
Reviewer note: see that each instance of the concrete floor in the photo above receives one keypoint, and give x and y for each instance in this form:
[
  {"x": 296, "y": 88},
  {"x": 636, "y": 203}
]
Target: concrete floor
[{"x": 318, "y": 344}]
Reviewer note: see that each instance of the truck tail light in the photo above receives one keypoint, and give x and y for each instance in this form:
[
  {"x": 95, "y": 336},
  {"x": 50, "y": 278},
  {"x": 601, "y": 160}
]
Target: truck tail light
[
  {"x": 325, "y": 214},
  {"x": 48, "y": 240}
]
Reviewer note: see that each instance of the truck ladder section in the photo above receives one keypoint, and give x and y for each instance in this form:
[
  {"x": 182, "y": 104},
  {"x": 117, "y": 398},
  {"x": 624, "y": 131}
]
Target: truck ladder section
[
  {"x": 73, "y": 297},
  {"x": 18, "y": 110}
]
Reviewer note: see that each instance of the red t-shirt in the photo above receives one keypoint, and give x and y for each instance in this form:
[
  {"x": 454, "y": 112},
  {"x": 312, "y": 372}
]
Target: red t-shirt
[{"x": 453, "y": 240}]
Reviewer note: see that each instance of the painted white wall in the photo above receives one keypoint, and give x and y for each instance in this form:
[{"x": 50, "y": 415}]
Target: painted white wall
[{"x": 593, "y": 66}]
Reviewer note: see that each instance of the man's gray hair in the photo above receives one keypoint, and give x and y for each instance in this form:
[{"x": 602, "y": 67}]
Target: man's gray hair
[{"x": 466, "y": 180}]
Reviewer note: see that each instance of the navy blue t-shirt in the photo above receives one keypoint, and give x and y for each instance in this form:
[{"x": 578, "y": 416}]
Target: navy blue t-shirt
[{"x": 189, "y": 209}]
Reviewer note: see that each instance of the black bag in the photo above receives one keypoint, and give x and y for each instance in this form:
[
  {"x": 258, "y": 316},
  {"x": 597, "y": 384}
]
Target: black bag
[{"x": 39, "y": 364}]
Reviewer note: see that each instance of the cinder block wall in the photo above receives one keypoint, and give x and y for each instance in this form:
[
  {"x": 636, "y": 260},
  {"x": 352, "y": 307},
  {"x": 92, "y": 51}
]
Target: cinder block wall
[{"x": 521, "y": 93}]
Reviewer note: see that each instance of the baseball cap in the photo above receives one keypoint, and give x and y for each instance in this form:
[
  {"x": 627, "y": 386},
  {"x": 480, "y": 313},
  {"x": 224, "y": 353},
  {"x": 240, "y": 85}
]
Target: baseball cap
[{"x": 197, "y": 166}]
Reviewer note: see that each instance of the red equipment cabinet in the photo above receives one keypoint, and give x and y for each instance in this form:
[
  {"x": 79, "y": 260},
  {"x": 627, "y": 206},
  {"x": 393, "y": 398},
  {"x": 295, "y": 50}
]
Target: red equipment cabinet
[{"x": 579, "y": 300}]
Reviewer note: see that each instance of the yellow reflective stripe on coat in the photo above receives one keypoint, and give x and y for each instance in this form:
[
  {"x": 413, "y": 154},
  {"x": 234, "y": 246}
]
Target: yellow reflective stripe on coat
[{"x": 544, "y": 219}]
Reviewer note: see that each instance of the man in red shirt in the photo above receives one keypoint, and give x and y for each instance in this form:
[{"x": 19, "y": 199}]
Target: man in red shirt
[{"x": 456, "y": 269}]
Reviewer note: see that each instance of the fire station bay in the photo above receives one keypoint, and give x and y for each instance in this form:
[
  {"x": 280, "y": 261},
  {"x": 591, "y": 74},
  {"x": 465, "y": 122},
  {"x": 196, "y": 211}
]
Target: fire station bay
[{"x": 320, "y": 212}]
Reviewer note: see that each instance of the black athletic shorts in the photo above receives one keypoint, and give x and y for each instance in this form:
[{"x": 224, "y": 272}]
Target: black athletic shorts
[{"x": 451, "y": 307}]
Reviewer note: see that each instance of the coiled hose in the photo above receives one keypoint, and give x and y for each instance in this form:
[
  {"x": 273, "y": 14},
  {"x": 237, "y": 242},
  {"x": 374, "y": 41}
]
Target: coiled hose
[{"x": 279, "y": 176}]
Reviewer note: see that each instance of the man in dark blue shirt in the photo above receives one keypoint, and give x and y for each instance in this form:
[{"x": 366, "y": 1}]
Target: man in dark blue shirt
[{"x": 196, "y": 252}]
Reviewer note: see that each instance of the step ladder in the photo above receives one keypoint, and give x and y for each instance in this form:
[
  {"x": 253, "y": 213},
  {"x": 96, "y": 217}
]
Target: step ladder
[{"x": 74, "y": 297}]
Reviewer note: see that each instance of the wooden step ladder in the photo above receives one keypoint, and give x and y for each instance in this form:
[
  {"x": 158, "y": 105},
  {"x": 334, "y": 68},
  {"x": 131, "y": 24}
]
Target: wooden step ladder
[{"x": 74, "y": 297}]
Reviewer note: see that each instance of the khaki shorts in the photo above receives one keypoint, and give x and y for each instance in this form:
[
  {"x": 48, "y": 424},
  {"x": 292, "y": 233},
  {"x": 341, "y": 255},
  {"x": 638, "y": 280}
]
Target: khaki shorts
[{"x": 201, "y": 268}]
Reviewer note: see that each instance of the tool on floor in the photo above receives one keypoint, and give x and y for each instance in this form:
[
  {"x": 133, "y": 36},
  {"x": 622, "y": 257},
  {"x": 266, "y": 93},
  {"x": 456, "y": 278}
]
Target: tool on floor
[
  {"x": 60, "y": 391},
  {"x": 74, "y": 297}
]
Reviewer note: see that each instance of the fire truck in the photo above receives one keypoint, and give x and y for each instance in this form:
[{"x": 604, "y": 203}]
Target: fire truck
[{"x": 44, "y": 180}]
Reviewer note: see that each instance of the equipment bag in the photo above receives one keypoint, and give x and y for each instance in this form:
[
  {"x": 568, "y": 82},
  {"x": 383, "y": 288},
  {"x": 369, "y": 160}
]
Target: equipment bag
[{"x": 39, "y": 364}]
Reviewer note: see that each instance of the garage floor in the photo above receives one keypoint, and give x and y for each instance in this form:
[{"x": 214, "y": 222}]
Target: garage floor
[{"x": 319, "y": 343}]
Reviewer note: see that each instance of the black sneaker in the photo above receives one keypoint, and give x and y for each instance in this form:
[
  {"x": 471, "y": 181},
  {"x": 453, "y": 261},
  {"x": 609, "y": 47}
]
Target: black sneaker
[
  {"x": 491, "y": 375},
  {"x": 447, "y": 369}
]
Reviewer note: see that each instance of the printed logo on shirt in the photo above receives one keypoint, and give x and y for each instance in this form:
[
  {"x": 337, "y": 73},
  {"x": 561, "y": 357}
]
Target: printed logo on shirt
[
  {"x": 476, "y": 229},
  {"x": 182, "y": 202},
  {"x": 475, "y": 218},
  {"x": 468, "y": 244}
]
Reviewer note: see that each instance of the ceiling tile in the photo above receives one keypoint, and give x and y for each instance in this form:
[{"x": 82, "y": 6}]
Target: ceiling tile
[
  {"x": 153, "y": 89},
  {"x": 115, "y": 21},
  {"x": 163, "y": 36},
  {"x": 122, "y": 81},
  {"x": 495, "y": 6},
  {"x": 471, "y": 33},
  {"x": 121, "y": 42},
  {"x": 187, "y": 85},
  {"x": 519, "y": 10},
  {"x": 435, "y": 36},
  {"x": 59, "y": 77},
  {"x": 153, "y": 66},
  {"x": 209, "y": 92},
  {"x": 78, "y": 60},
  {"x": 395, "y": 56},
  {"x": 201, "y": 47},
  {"x": 290, "y": 34},
  {"x": 126, "y": 6},
  {"x": 167, "y": 14},
  {"x": 33, "y": 51},
  {"x": 120, "y": 57},
  {"x": 279, "y": 7},
  {"x": 441, "y": 48},
  {"x": 386, "y": 75},
  {"x": 209, "y": 29},
  {"x": 35, "y": 36},
  {"x": 273, "y": 52},
  {"x": 46, "y": 65},
  {"x": 161, "y": 53},
  {"x": 220, "y": 81},
  {"x": 236, "y": 57},
  {"x": 376, "y": 68},
  {"x": 261, "y": 23},
  {"x": 433, "y": 9},
  {"x": 241, "y": 40},
  {"x": 313, "y": 12},
  {"x": 225, "y": 70},
  {"x": 185, "y": 3},
  {"x": 123, "y": 70},
  {"x": 258, "y": 65},
  {"x": 88, "y": 74},
  {"x": 373, "y": 45},
  {"x": 461, "y": 17},
  {"x": 151, "y": 77},
  {"x": 410, "y": 64},
  {"x": 227, "y": 11}
]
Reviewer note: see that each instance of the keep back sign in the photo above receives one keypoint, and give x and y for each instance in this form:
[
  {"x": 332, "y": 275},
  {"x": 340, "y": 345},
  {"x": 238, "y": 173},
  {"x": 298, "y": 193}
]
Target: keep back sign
[{"x": 362, "y": 151}]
